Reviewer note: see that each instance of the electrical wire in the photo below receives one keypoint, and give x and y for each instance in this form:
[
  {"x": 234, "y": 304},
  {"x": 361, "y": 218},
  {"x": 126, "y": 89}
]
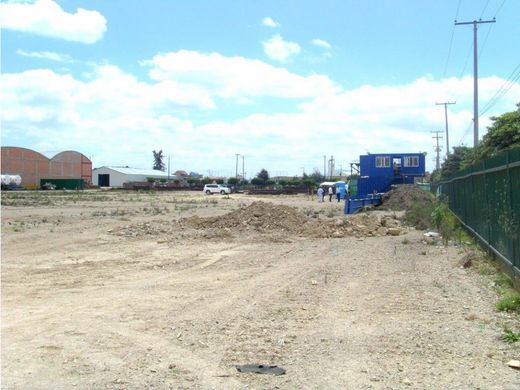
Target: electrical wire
[
  {"x": 481, "y": 50},
  {"x": 484, "y": 10},
  {"x": 503, "y": 90},
  {"x": 466, "y": 133},
  {"x": 451, "y": 41},
  {"x": 467, "y": 60},
  {"x": 499, "y": 8}
]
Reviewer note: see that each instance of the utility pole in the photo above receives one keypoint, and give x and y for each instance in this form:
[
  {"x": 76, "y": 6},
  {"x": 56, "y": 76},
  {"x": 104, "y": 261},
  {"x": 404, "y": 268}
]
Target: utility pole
[
  {"x": 475, "y": 75},
  {"x": 324, "y": 167},
  {"x": 243, "y": 178},
  {"x": 168, "y": 168},
  {"x": 331, "y": 167},
  {"x": 236, "y": 167},
  {"x": 437, "y": 149},
  {"x": 445, "y": 104}
]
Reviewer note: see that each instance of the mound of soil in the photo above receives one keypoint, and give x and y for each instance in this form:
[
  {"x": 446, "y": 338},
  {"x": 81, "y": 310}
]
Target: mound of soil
[
  {"x": 404, "y": 197},
  {"x": 258, "y": 216},
  {"x": 266, "y": 221},
  {"x": 264, "y": 217}
]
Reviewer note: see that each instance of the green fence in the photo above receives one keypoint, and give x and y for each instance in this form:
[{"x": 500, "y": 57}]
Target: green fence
[{"x": 486, "y": 198}]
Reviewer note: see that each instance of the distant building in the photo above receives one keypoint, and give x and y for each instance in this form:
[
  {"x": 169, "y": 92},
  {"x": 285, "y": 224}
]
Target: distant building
[
  {"x": 117, "y": 176},
  {"x": 33, "y": 166}
]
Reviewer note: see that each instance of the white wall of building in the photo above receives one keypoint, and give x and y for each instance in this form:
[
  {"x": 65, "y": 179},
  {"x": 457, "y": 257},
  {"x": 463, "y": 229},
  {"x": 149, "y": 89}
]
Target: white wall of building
[{"x": 117, "y": 176}]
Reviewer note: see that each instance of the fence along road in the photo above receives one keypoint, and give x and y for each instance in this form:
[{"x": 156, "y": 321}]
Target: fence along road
[{"x": 486, "y": 199}]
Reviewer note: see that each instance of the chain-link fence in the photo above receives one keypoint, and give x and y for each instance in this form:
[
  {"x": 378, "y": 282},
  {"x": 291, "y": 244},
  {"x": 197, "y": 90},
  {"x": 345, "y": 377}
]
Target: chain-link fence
[{"x": 486, "y": 198}]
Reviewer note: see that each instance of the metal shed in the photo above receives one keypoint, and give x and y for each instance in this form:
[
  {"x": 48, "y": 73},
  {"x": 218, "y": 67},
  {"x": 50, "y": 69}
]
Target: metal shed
[{"x": 117, "y": 176}]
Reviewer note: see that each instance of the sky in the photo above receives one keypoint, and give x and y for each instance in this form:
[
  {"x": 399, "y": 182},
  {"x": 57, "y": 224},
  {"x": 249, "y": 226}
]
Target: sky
[{"x": 280, "y": 83}]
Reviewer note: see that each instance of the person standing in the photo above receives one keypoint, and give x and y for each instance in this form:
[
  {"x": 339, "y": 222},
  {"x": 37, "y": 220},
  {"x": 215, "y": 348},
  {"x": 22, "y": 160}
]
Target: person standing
[
  {"x": 331, "y": 192},
  {"x": 320, "y": 194},
  {"x": 338, "y": 194}
]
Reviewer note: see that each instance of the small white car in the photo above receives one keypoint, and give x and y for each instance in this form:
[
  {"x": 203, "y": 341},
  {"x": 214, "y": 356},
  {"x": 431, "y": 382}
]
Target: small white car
[{"x": 211, "y": 189}]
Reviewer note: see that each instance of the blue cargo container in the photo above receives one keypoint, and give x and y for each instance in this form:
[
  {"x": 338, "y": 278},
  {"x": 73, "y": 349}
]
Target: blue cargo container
[{"x": 378, "y": 172}]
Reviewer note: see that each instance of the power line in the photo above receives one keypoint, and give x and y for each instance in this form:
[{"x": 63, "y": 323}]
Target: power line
[
  {"x": 466, "y": 61},
  {"x": 466, "y": 132},
  {"x": 504, "y": 88},
  {"x": 485, "y": 41},
  {"x": 499, "y": 8},
  {"x": 484, "y": 10},
  {"x": 451, "y": 42}
]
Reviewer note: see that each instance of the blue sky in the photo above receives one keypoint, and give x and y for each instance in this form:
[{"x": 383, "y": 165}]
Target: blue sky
[{"x": 282, "y": 83}]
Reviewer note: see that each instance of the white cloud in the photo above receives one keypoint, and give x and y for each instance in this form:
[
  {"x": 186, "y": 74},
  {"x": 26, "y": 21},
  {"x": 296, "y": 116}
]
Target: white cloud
[
  {"x": 279, "y": 49},
  {"x": 118, "y": 119},
  {"x": 46, "y": 55},
  {"x": 321, "y": 43},
  {"x": 269, "y": 22},
  {"x": 47, "y": 18},
  {"x": 236, "y": 77}
]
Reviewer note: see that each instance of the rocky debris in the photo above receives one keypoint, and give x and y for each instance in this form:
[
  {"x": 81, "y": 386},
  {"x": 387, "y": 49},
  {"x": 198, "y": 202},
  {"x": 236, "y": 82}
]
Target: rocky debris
[
  {"x": 403, "y": 197},
  {"x": 269, "y": 221},
  {"x": 258, "y": 216}
]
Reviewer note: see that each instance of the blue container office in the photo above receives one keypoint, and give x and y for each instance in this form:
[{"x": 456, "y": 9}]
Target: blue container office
[{"x": 378, "y": 172}]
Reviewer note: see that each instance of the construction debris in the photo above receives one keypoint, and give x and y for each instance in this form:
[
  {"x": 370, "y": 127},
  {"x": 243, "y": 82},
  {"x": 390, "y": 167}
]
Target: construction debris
[{"x": 265, "y": 219}]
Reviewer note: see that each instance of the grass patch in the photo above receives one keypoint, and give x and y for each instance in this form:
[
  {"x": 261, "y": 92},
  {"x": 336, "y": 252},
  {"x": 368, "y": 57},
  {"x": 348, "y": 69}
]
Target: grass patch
[
  {"x": 509, "y": 303},
  {"x": 510, "y": 336}
]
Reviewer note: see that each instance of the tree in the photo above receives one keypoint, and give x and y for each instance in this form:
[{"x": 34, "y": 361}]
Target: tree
[
  {"x": 263, "y": 174},
  {"x": 158, "y": 163},
  {"x": 316, "y": 176},
  {"x": 257, "y": 181},
  {"x": 233, "y": 181},
  {"x": 453, "y": 162},
  {"x": 504, "y": 133},
  {"x": 308, "y": 182}
]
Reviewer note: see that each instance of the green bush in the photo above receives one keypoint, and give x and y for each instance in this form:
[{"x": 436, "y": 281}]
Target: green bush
[{"x": 444, "y": 221}]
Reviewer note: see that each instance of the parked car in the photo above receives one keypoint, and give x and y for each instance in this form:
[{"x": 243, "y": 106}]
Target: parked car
[{"x": 211, "y": 189}]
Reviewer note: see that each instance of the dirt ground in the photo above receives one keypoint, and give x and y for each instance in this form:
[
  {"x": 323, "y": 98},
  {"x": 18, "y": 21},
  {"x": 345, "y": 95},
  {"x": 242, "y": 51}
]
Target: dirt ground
[{"x": 104, "y": 290}]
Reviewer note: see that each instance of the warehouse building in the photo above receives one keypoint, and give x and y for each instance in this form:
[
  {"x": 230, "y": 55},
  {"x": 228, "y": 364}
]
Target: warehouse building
[
  {"x": 33, "y": 167},
  {"x": 117, "y": 176}
]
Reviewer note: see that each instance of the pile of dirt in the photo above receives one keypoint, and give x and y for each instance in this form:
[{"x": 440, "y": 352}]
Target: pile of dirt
[
  {"x": 267, "y": 221},
  {"x": 264, "y": 217},
  {"x": 403, "y": 197},
  {"x": 258, "y": 216}
]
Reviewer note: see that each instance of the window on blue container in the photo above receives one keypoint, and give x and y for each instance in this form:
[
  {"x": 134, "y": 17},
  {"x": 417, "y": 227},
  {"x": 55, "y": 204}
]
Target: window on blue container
[
  {"x": 382, "y": 162},
  {"x": 411, "y": 161}
]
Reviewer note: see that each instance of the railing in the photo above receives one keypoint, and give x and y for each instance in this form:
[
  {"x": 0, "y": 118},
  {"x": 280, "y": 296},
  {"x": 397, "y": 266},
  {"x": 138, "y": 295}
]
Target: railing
[{"x": 486, "y": 199}]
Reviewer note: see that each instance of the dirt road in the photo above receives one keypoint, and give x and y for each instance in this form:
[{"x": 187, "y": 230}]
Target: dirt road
[{"x": 114, "y": 291}]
